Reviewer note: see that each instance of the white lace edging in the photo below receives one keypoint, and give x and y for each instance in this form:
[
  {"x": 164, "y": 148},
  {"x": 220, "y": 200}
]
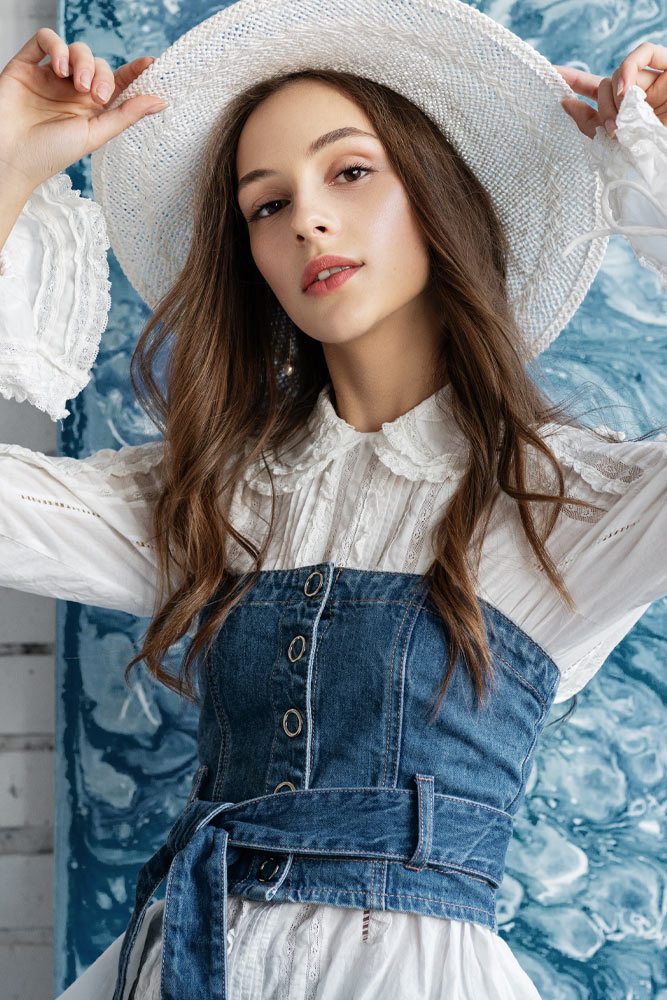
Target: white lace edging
[
  {"x": 421, "y": 445},
  {"x": 593, "y": 460},
  {"x": 129, "y": 459},
  {"x": 636, "y": 160},
  {"x": 51, "y": 377},
  {"x": 131, "y": 471}
]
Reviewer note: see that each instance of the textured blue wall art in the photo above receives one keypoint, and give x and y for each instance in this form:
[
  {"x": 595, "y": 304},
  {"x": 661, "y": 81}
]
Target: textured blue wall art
[{"x": 583, "y": 901}]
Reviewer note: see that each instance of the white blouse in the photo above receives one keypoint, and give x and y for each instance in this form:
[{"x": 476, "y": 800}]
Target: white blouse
[{"x": 367, "y": 500}]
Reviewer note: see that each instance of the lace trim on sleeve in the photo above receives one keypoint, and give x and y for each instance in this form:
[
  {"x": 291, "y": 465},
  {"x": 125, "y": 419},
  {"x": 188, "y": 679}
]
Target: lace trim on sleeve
[
  {"x": 131, "y": 471},
  {"x": 592, "y": 466},
  {"x": 633, "y": 168},
  {"x": 72, "y": 304}
]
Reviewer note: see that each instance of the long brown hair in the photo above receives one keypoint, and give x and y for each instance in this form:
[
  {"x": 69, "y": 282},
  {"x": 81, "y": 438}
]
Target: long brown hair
[{"x": 225, "y": 403}]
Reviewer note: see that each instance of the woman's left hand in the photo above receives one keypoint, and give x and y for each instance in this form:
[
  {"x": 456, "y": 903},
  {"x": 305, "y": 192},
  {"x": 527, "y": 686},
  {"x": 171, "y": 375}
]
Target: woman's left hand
[{"x": 645, "y": 66}]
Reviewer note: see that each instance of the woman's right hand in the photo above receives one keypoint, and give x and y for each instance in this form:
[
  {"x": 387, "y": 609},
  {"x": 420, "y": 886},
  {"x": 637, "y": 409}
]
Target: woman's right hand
[{"x": 51, "y": 115}]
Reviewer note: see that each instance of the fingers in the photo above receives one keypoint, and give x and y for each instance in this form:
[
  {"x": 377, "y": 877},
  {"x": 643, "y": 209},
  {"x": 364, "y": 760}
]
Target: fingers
[
  {"x": 606, "y": 105},
  {"x": 581, "y": 82},
  {"x": 83, "y": 66},
  {"x": 585, "y": 117},
  {"x": 88, "y": 74},
  {"x": 46, "y": 42},
  {"x": 646, "y": 54},
  {"x": 111, "y": 123},
  {"x": 126, "y": 74},
  {"x": 104, "y": 81},
  {"x": 645, "y": 67}
]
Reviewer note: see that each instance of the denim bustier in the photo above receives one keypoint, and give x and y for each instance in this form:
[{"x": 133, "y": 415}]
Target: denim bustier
[{"x": 322, "y": 776}]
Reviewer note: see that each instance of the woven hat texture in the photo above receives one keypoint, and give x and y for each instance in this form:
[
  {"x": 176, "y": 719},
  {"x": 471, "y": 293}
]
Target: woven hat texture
[{"x": 495, "y": 97}]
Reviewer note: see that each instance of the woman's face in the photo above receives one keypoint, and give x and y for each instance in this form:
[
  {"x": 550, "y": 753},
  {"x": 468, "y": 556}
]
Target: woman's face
[{"x": 307, "y": 207}]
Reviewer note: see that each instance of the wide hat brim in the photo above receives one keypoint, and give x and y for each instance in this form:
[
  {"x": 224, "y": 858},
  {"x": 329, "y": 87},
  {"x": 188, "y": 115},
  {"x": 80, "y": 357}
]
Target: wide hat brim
[{"x": 495, "y": 98}]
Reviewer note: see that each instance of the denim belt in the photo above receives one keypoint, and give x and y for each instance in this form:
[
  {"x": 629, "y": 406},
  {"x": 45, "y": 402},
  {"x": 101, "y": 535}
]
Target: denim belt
[{"x": 357, "y": 823}]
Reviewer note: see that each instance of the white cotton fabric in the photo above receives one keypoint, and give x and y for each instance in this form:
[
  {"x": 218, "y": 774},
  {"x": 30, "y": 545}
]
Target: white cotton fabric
[
  {"x": 80, "y": 529},
  {"x": 304, "y": 951}
]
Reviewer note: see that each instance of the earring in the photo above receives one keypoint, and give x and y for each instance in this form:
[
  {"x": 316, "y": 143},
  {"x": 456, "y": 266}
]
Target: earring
[{"x": 287, "y": 369}]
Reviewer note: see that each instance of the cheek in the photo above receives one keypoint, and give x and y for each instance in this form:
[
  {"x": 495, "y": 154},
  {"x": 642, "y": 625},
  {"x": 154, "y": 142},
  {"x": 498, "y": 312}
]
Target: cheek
[
  {"x": 260, "y": 253},
  {"x": 395, "y": 239}
]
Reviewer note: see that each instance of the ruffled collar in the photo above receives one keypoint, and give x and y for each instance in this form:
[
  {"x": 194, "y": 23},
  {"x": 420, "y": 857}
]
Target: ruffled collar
[{"x": 423, "y": 444}]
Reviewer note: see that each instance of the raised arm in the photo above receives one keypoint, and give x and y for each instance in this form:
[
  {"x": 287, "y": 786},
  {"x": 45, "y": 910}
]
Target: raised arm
[{"x": 74, "y": 529}]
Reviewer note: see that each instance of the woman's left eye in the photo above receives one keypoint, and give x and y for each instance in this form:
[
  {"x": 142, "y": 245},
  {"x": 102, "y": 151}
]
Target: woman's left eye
[{"x": 345, "y": 170}]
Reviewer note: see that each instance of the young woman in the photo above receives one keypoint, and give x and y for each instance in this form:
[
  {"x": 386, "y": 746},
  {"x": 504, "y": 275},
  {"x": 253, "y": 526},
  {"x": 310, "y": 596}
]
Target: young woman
[{"x": 394, "y": 552}]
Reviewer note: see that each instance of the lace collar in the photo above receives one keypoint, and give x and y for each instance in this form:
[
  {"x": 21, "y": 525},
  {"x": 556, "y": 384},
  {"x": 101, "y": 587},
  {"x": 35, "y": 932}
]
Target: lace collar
[{"x": 424, "y": 444}]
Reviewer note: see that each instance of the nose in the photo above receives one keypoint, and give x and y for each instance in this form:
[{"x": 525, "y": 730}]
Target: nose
[{"x": 310, "y": 216}]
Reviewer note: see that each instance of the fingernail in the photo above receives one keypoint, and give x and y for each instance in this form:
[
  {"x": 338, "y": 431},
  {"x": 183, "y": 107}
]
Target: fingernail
[
  {"x": 619, "y": 88},
  {"x": 158, "y": 106},
  {"x": 86, "y": 79},
  {"x": 64, "y": 66},
  {"x": 104, "y": 91},
  {"x": 610, "y": 126}
]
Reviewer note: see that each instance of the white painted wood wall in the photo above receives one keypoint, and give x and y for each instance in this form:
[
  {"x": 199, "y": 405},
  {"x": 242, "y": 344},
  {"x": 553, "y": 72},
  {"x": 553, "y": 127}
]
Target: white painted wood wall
[{"x": 27, "y": 679}]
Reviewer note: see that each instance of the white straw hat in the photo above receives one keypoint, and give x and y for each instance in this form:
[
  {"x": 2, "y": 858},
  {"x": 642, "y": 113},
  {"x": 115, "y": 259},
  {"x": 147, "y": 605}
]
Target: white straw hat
[{"x": 494, "y": 96}]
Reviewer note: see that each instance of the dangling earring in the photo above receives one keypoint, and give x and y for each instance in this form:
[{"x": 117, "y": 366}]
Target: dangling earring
[{"x": 287, "y": 369}]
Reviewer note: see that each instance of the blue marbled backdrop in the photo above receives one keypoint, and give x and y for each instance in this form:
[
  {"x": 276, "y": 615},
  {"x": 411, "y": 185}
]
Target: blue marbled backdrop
[{"x": 584, "y": 899}]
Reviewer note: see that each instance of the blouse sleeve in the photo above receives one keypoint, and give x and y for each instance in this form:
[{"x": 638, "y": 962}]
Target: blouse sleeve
[
  {"x": 613, "y": 561},
  {"x": 80, "y": 529},
  {"x": 77, "y": 529},
  {"x": 633, "y": 172},
  {"x": 54, "y": 297}
]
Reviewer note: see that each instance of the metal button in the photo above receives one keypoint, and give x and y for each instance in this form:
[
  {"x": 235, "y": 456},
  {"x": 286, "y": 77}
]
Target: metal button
[
  {"x": 285, "y": 784},
  {"x": 299, "y": 721},
  {"x": 298, "y": 642},
  {"x": 268, "y": 869},
  {"x": 318, "y": 580}
]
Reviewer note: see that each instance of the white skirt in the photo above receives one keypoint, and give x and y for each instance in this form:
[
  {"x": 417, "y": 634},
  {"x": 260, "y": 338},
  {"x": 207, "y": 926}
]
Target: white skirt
[{"x": 311, "y": 951}]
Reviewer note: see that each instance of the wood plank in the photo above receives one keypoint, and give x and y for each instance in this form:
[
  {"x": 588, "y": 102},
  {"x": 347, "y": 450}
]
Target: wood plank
[
  {"x": 28, "y": 694},
  {"x": 26, "y": 788},
  {"x": 26, "y": 900}
]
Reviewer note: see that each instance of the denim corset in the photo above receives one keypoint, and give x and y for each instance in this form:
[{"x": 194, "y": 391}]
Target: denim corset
[{"x": 323, "y": 777}]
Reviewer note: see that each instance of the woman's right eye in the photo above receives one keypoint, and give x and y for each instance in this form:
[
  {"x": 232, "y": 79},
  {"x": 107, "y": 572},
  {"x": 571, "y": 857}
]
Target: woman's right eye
[{"x": 256, "y": 215}]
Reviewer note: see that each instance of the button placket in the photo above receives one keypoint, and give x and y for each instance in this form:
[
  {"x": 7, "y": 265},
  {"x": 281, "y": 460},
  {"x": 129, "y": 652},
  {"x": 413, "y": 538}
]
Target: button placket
[
  {"x": 292, "y": 722},
  {"x": 296, "y": 648},
  {"x": 314, "y": 583}
]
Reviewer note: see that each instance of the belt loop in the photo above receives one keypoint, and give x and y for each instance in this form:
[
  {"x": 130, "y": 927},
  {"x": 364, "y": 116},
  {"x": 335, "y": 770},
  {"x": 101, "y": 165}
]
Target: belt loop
[
  {"x": 270, "y": 893},
  {"x": 425, "y": 802}
]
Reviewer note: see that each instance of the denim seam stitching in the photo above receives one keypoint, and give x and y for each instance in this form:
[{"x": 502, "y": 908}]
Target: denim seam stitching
[
  {"x": 523, "y": 679},
  {"x": 522, "y": 786},
  {"x": 366, "y": 856},
  {"x": 390, "y": 709},
  {"x": 223, "y": 728},
  {"x": 316, "y": 673},
  {"x": 376, "y": 790},
  {"x": 390, "y": 895},
  {"x": 418, "y": 604}
]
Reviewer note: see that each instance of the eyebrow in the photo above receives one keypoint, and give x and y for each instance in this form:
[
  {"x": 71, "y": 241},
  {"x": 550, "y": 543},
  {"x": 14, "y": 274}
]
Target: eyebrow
[{"x": 315, "y": 147}]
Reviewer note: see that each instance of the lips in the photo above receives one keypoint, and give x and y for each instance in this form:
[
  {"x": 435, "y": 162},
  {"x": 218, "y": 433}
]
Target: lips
[{"x": 323, "y": 263}]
